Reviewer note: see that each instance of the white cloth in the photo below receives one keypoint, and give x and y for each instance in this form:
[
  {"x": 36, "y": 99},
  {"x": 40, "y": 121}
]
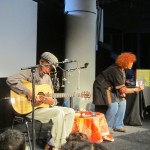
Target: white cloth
[{"x": 62, "y": 118}]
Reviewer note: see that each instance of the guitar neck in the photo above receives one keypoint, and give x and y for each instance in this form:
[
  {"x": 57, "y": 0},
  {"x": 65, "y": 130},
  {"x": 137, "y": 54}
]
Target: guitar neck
[{"x": 62, "y": 95}]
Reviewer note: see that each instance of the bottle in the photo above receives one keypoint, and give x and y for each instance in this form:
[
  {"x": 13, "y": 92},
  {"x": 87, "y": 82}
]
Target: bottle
[{"x": 66, "y": 103}]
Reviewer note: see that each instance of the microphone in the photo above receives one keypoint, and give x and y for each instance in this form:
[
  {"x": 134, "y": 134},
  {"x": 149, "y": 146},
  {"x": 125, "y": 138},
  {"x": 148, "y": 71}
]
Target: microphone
[
  {"x": 68, "y": 61},
  {"x": 37, "y": 66},
  {"x": 54, "y": 68},
  {"x": 31, "y": 67},
  {"x": 55, "y": 71},
  {"x": 55, "y": 79},
  {"x": 86, "y": 64}
]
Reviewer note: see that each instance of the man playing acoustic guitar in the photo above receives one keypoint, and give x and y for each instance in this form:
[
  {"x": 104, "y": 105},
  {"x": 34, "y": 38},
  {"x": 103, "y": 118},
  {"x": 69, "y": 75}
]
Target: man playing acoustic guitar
[{"x": 20, "y": 84}]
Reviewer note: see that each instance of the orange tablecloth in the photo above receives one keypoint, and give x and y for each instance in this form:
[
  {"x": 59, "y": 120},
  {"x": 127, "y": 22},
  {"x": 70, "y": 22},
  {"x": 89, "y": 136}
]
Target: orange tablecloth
[{"x": 95, "y": 127}]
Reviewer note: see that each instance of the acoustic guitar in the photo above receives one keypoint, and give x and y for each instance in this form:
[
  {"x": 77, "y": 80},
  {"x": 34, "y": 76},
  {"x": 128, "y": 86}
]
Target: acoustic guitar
[{"x": 22, "y": 105}]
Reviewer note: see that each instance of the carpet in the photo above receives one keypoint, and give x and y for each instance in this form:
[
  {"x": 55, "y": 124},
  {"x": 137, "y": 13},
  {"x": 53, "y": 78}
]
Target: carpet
[{"x": 134, "y": 141}]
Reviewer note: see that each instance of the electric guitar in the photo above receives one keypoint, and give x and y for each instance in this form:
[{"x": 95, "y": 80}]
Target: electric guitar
[{"x": 22, "y": 105}]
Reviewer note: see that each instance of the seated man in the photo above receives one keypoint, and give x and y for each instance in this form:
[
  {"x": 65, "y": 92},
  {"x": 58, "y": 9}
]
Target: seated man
[{"x": 62, "y": 117}]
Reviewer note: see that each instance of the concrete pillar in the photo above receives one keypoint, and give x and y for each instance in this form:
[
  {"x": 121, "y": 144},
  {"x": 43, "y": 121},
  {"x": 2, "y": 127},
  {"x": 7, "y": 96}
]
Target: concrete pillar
[{"x": 80, "y": 46}]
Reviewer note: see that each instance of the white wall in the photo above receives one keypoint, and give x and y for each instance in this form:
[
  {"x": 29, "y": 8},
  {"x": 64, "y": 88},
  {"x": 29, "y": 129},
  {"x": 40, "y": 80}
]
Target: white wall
[{"x": 18, "y": 32}]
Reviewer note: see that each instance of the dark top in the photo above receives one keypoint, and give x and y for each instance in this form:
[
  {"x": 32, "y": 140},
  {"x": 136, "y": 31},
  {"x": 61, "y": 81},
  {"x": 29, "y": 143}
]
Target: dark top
[{"x": 111, "y": 79}]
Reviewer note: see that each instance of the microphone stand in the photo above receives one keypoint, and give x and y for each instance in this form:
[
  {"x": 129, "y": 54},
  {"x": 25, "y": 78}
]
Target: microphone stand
[
  {"x": 33, "y": 100},
  {"x": 84, "y": 67},
  {"x": 78, "y": 71}
]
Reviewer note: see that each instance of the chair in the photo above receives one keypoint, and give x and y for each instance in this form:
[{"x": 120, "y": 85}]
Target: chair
[{"x": 25, "y": 120}]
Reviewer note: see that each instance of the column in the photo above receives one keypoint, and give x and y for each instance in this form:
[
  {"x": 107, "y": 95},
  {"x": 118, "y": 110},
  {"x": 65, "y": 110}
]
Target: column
[{"x": 80, "y": 46}]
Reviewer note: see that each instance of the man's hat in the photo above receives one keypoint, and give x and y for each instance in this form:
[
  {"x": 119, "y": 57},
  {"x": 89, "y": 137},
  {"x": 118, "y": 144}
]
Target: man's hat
[{"x": 50, "y": 58}]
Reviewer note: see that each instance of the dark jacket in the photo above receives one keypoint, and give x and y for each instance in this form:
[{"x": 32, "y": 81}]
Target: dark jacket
[{"x": 107, "y": 82}]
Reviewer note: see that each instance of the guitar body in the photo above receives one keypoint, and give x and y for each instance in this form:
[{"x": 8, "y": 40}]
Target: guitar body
[{"x": 22, "y": 105}]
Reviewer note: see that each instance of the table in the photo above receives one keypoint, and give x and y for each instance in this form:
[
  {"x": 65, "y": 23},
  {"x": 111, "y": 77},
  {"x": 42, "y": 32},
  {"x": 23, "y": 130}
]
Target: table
[
  {"x": 95, "y": 127},
  {"x": 136, "y": 104}
]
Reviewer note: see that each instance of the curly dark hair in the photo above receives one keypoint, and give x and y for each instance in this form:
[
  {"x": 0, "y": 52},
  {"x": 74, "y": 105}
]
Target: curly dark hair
[
  {"x": 79, "y": 141},
  {"x": 12, "y": 140},
  {"x": 82, "y": 145},
  {"x": 77, "y": 136}
]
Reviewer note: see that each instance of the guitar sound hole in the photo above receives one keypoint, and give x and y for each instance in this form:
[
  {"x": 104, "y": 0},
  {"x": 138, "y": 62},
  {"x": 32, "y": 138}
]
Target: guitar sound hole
[
  {"x": 28, "y": 99},
  {"x": 41, "y": 93}
]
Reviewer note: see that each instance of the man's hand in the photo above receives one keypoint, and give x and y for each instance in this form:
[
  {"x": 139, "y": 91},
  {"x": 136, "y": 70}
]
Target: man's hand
[
  {"x": 37, "y": 100},
  {"x": 47, "y": 100}
]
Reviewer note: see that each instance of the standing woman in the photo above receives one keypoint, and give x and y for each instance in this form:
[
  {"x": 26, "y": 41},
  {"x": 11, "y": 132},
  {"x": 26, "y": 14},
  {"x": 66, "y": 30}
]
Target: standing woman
[{"x": 109, "y": 90}]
